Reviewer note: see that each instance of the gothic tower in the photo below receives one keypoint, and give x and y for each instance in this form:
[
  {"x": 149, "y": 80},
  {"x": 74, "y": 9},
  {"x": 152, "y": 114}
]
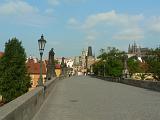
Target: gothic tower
[{"x": 90, "y": 51}]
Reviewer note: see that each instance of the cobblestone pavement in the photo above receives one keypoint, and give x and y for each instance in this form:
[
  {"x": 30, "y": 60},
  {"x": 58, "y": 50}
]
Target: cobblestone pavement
[{"x": 86, "y": 98}]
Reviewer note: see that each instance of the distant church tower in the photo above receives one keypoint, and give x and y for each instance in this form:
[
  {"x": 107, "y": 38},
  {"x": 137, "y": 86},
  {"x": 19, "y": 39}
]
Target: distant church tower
[
  {"x": 90, "y": 59},
  {"x": 129, "y": 49},
  {"x": 90, "y": 51},
  {"x": 133, "y": 49}
]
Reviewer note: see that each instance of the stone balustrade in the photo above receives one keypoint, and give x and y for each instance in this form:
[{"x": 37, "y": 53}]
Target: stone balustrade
[{"x": 27, "y": 105}]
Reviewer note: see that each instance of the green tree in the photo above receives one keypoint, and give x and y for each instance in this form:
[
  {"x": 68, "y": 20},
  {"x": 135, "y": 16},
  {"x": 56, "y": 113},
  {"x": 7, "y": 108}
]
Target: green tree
[
  {"x": 114, "y": 67},
  {"x": 153, "y": 61},
  {"x": 134, "y": 65},
  {"x": 14, "y": 79},
  {"x": 154, "y": 67},
  {"x": 111, "y": 63},
  {"x": 97, "y": 68}
]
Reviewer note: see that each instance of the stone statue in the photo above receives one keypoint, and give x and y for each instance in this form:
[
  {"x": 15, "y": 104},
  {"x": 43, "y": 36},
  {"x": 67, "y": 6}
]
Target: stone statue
[
  {"x": 51, "y": 65},
  {"x": 63, "y": 67},
  {"x": 125, "y": 71}
]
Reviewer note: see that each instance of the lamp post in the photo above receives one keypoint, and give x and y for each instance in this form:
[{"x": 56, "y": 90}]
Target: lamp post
[
  {"x": 86, "y": 58},
  {"x": 41, "y": 43}
]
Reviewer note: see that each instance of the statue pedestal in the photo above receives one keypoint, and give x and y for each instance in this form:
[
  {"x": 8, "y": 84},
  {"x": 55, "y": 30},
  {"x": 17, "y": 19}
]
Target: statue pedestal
[{"x": 126, "y": 73}]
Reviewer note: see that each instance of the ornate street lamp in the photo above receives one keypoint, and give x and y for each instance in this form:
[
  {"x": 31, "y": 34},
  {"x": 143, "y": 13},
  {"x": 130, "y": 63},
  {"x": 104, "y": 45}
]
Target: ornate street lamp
[
  {"x": 41, "y": 43},
  {"x": 86, "y": 60}
]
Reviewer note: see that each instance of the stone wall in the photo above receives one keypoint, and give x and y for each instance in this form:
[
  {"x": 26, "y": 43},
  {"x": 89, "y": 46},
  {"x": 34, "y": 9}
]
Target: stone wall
[
  {"x": 26, "y": 106},
  {"x": 152, "y": 85}
]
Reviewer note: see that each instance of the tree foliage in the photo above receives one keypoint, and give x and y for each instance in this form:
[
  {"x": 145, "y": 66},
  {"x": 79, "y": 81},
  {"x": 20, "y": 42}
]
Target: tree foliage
[
  {"x": 135, "y": 66},
  {"x": 14, "y": 79},
  {"x": 110, "y": 63},
  {"x": 150, "y": 64},
  {"x": 153, "y": 61}
]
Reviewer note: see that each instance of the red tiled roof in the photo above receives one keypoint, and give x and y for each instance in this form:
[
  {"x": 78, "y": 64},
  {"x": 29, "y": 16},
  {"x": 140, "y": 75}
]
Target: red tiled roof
[
  {"x": 58, "y": 66},
  {"x": 1, "y": 54},
  {"x": 34, "y": 68}
]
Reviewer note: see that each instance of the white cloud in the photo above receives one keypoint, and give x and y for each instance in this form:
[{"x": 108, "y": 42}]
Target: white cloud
[
  {"x": 75, "y": 1},
  {"x": 131, "y": 34},
  {"x": 90, "y": 37},
  {"x": 54, "y": 2},
  {"x": 154, "y": 24},
  {"x": 17, "y": 8},
  {"x": 73, "y": 23},
  {"x": 23, "y": 13},
  {"x": 123, "y": 26},
  {"x": 94, "y": 20},
  {"x": 57, "y": 2},
  {"x": 112, "y": 18}
]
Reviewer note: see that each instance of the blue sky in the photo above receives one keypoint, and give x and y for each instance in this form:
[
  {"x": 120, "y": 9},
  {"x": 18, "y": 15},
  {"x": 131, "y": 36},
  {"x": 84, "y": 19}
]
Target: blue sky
[{"x": 71, "y": 25}]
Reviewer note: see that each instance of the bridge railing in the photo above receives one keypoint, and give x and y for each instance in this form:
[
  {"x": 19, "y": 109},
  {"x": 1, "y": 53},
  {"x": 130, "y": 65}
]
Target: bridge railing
[
  {"x": 26, "y": 106},
  {"x": 147, "y": 84}
]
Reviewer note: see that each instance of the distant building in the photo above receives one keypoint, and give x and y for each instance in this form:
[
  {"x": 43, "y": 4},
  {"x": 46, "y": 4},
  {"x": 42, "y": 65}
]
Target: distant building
[
  {"x": 84, "y": 62},
  {"x": 33, "y": 67},
  {"x": 83, "y": 58},
  {"x": 135, "y": 50},
  {"x": 58, "y": 70},
  {"x": 90, "y": 58},
  {"x": 90, "y": 51},
  {"x": 69, "y": 62},
  {"x": 77, "y": 64},
  {"x": 59, "y": 59},
  {"x": 77, "y": 61},
  {"x": 144, "y": 51},
  {"x": 1, "y": 54}
]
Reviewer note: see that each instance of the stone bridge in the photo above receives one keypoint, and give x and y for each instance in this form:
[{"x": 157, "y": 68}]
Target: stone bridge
[{"x": 88, "y": 98}]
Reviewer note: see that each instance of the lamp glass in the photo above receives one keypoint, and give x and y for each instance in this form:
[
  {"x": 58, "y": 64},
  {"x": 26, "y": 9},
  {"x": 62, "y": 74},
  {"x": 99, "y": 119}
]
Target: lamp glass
[{"x": 41, "y": 43}]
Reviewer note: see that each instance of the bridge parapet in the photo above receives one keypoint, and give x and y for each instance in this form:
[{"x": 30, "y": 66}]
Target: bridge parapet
[
  {"x": 147, "y": 84},
  {"x": 26, "y": 106}
]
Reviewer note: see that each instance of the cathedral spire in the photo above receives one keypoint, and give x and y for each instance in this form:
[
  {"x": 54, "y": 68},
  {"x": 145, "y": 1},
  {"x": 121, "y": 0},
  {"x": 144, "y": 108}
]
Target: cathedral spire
[{"x": 129, "y": 48}]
